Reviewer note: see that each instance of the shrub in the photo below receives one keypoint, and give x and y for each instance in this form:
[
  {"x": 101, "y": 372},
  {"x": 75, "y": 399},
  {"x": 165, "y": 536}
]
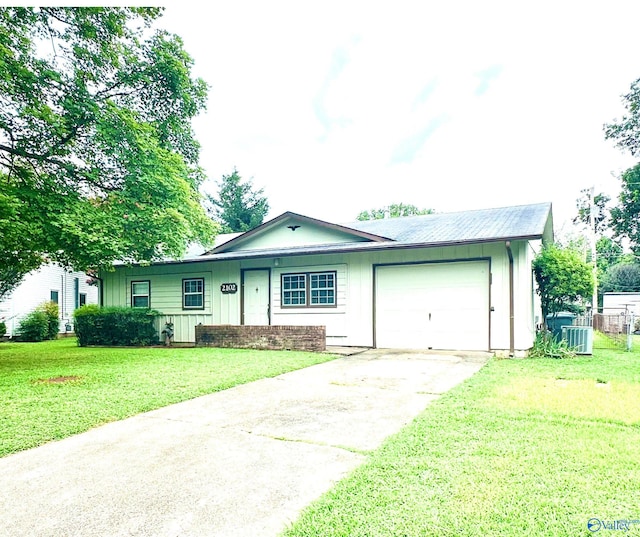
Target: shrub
[
  {"x": 50, "y": 309},
  {"x": 546, "y": 346},
  {"x": 42, "y": 323},
  {"x": 115, "y": 326},
  {"x": 34, "y": 327},
  {"x": 3, "y": 329}
]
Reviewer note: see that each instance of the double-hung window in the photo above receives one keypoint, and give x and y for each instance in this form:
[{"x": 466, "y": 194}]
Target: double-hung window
[
  {"x": 308, "y": 289},
  {"x": 193, "y": 294},
  {"x": 323, "y": 289},
  {"x": 294, "y": 289},
  {"x": 141, "y": 294}
]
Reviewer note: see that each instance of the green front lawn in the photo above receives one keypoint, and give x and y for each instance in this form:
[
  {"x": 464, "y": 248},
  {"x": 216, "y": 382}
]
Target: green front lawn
[
  {"x": 525, "y": 447},
  {"x": 54, "y": 389}
]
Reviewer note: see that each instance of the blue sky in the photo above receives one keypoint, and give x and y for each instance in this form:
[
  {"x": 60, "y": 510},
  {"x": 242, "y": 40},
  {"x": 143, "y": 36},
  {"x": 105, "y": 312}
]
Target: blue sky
[{"x": 337, "y": 107}]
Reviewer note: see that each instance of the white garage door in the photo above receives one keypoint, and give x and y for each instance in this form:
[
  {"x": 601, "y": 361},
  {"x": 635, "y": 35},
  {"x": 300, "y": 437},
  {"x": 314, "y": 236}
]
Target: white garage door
[{"x": 433, "y": 306}]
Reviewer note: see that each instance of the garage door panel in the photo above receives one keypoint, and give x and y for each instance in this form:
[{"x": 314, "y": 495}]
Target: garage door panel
[{"x": 440, "y": 306}]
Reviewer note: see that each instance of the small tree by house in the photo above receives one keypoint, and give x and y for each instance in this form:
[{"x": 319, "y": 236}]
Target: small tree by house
[{"x": 564, "y": 279}]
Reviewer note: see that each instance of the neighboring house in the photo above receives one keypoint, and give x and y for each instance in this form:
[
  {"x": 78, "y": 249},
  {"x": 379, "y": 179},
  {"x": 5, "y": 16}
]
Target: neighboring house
[
  {"x": 442, "y": 281},
  {"x": 617, "y": 303},
  {"x": 69, "y": 290}
]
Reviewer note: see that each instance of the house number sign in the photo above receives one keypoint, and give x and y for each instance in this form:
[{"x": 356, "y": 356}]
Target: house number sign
[{"x": 229, "y": 288}]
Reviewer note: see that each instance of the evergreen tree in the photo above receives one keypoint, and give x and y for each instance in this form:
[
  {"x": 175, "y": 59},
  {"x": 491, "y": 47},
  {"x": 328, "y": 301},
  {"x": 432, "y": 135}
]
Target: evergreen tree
[{"x": 238, "y": 207}]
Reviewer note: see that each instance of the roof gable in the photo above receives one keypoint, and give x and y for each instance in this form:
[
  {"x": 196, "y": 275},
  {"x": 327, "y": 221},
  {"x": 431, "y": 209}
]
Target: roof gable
[{"x": 291, "y": 230}]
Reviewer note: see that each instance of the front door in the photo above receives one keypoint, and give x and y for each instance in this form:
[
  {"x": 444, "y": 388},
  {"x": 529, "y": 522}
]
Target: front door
[{"x": 255, "y": 297}]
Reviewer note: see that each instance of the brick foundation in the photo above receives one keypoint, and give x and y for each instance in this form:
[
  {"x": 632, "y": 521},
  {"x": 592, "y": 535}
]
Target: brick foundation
[{"x": 300, "y": 338}]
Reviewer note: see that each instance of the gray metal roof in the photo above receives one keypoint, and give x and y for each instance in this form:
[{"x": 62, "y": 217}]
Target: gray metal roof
[
  {"x": 463, "y": 226},
  {"x": 440, "y": 229}
]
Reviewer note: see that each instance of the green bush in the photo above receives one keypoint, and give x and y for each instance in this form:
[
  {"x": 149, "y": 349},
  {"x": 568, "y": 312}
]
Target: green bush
[
  {"x": 546, "y": 346},
  {"x": 3, "y": 329},
  {"x": 34, "y": 327},
  {"x": 42, "y": 323},
  {"x": 50, "y": 309},
  {"x": 115, "y": 326}
]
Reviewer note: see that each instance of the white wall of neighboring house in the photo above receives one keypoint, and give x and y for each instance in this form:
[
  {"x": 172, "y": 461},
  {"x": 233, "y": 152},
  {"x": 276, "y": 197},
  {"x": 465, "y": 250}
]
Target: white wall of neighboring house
[
  {"x": 616, "y": 303},
  {"x": 47, "y": 283}
]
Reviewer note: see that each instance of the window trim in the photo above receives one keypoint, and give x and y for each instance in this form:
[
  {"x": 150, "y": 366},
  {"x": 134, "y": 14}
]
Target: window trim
[
  {"x": 148, "y": 295},
  {"x": 283, "y": 291},
  {"x": 184, "y": 294},
  {"x": 307, "y": 289}
]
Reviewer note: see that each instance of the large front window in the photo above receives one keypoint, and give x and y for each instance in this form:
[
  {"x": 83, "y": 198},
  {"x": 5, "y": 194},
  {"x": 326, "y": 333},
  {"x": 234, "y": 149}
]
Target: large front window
[
  {"x": 309, "y": 289},
  {"x": 141, "y": 294},
  {"x": 193, "y": 294}
]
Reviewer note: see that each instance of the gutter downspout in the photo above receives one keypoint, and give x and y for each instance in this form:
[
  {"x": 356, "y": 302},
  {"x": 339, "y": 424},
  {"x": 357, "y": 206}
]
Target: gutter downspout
[
  {"x": 511, "y": 301},
  {"x": 100, "y": 290}
]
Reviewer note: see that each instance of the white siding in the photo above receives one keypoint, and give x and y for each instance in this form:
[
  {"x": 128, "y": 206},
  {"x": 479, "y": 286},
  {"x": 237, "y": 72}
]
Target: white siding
[
  {"x": 36, "y": 289},
  {"x": 306, "y": 234},
  {"x": 166, "y": 294},
  {"x": 528, "y": 311},
  {"x": 184, "y": 325},
  {"x": 334, "y": 318},
  {"x": 351, "y": 321},
  {"x": 226, "y": 306},
  {"x": 616, "y": 303}
]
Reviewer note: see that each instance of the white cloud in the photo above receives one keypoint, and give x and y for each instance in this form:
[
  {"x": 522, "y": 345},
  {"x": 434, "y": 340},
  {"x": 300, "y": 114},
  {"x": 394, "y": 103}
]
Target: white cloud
[{"x": 338, "y": 107}]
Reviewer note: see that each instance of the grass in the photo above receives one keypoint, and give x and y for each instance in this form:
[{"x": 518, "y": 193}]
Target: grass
[
  {"x": 525, "y": 447},
  {"x": 55, "y": 389}
]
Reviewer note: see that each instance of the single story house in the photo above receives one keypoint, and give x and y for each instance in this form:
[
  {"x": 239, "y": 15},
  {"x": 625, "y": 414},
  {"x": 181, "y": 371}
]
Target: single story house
[
  {"x": 457, "y": 281},
  {"x": 68, "y": 289}
]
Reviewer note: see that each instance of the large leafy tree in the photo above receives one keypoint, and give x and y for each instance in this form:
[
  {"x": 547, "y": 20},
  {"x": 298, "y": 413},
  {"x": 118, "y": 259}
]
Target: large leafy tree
[
  {"x": 238, "y": 206},
  {"x": 564, "y": 279},
  {"x": 626, "y": 130},
  {"x": 625, "y": 217},
  {"x": 98, "y": 160},
  {"x": 599, "y": 206},
  {"x": 394, "y": 210},
  {"x": 609, "y": 253},
  {"x": 621, "y": 277}
]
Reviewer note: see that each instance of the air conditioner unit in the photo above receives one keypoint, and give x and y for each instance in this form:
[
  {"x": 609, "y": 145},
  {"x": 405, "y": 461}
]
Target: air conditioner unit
[{"x": 579, "y": 337}]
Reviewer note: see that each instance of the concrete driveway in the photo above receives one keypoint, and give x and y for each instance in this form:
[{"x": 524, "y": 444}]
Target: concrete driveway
[{"x": 242, "y": 462}]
